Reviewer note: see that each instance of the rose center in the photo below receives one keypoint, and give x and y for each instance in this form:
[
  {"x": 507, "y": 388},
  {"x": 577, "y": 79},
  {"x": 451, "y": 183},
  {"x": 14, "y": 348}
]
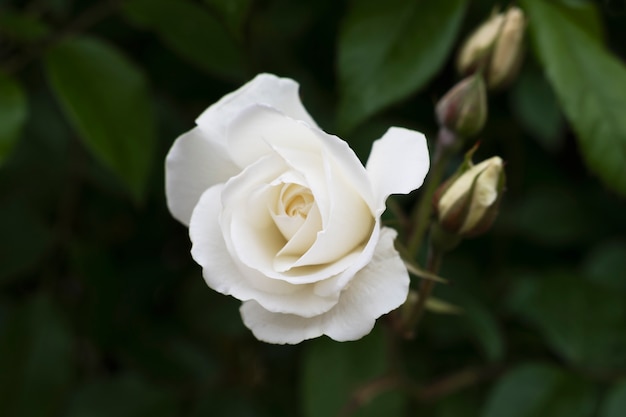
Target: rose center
[
  {"x": 292, "y": 209},
  {"x": 296, "y": 200}
]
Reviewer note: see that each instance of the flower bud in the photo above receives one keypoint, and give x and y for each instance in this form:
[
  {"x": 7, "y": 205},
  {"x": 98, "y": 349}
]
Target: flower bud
[
  {"x": 496, "y": 48},
  {"x": 468, "y": 204},
  {"x": 463, "y": 109}
]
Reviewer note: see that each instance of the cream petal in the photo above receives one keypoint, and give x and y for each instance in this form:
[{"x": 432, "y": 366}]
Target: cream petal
[
  {"x": 300, "y": 242},
  {"x": 346, "y": 218},
  {"x": 398, "y": 163},
  {"x": 195, "y": 162},
  {"x": 360, "y": 258},
  {"x": 349, "y": 225},
  {"x": 236, "y": 201},
  {"x": 226, "y": 275},
  {"x": 279, "y": 328},
  {"x": 257, "y": 129},
  {"x": 463, "y": 184},
  {"x": 379, "y": 288},
  {"x": 249, "y": 231},
  {"x": 268, "y": 89}
]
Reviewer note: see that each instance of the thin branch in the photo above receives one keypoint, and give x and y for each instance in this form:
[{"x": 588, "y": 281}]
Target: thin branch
[
  {"x": 366, "y": 392},
  {"x": 455, "y": 382},
  {"x": 426, "y": 287},
  {"x": 440, "y": 388}
]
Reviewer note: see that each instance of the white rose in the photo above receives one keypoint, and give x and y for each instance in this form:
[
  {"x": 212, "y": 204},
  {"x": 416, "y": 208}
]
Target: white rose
[{"x": 284, "y": 217}]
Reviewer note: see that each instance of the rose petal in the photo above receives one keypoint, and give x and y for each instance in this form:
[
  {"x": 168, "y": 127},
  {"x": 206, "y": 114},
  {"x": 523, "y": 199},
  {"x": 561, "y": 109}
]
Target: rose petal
[
  {"x": 247, "y": 226},
  {"x": 268, "y": 89},
  {"x": 224, "y": 274},
  {"x": 347, "y": 225},
  {"x": 248, "y": 236},
  {"x": 258, "y": 128},
  {"x": 380, "y": 287},
  {"x": 195, "y": 162},
  {"x": 398, "y": 163},
  {"x": 364, "y": 255},
  {"x": 346, "y": 218}
]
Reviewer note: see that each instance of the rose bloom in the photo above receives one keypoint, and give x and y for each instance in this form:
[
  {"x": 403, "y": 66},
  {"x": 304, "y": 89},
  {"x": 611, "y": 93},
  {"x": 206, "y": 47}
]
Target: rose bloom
[{"x": 284, "y": 217}]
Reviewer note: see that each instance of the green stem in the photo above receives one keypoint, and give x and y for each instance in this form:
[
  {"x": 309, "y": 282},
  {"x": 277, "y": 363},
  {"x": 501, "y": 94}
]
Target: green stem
[
  {"x": 433, "y": 264},
  {"x": 421, "y": 215}
]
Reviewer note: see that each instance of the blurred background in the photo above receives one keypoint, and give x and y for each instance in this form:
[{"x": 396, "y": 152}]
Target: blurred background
[{"x": 104, "y": 313}]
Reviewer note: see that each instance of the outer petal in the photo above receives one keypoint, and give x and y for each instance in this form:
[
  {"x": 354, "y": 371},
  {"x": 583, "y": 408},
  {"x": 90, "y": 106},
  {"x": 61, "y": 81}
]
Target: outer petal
[
  {"x": 377, "y": 289},
  {"x": 195, "y": 162},
  {"x": 268, "y": 89},
  {"x": 398, "y": 163},
  {"x": 224, "y": 274}
]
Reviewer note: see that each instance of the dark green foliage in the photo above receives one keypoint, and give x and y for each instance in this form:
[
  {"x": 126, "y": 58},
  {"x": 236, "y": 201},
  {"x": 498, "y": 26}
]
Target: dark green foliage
[{"x": 104, "y": 313}]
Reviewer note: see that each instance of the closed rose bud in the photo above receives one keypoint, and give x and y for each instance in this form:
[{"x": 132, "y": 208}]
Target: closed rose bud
[
  {"x": 495, "y": 47},
  {"x": 468, "y": 204},
  {"x": 463, "y": 109}
]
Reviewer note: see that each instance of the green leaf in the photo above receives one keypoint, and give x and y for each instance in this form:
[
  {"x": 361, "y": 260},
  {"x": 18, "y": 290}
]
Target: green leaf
[
  {"x": 389, "y": 50},
  {"x": 232, "y": 12},
  {"x": 537, "y": 109},
  {"x": 125, "y": 396},
  {"x": 35, "y": 361},
  {"x": 465, "y": 403},
  {"x": 615, "y": 403},
  {"x": 24, "y": 240},
  {"x": 585, "y": 15},
  {"x": 106, "y": 99},
  {"x": 590, "y": 84},
  {"x": 605, "y": 265},
  {"x": 13, "y": 111},
  {"x": 580, "y": 321},
  {"x": 22, "y": 27},
  {"x": 483, "y": 327},
  {"x": 537, "y": 390},
  {"x": 192, "y": 32},
  {"x": 332, "y": 371},
  {"x": 476, "y": 322},
  {"x": 549, "y": 216}
]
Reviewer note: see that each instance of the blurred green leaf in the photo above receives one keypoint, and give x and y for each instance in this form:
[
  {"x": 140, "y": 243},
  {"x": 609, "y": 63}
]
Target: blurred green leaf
[
  {"x": 483, "y": 327},
  {"x": 163, "y": 356},
  {"x": 538, "y": 390},
  {"x": 192, "y": 32},
  {"x": 22, "y": 27},
  {"x": 537, "y": 109},
  {"x": 476, "y": 322},
  {"x": 585, "y": 15},
  {"x": 332, "y": 371},
  {"x": 615, "y": 402},
  {"x": 605, "y": 265},
  {"x": 388, "y": 50},
  {"x": 207, "y": 315},
  {"x": 123, "y": 396},
  {"x": 106, "y": 98},
  {"x": 232, "y": 12},
  {"x": 466, "y": 403},
  {"x": 580, "y": 321},
  {"x": 548, "y": 215},
  {"x": 591, "y": 86},
  {"x": 24, "y": 240},
  {"x": 13, "y": 112},
  {"x": 35, "y": 361},
  {"x": 219, "y": 402}
]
